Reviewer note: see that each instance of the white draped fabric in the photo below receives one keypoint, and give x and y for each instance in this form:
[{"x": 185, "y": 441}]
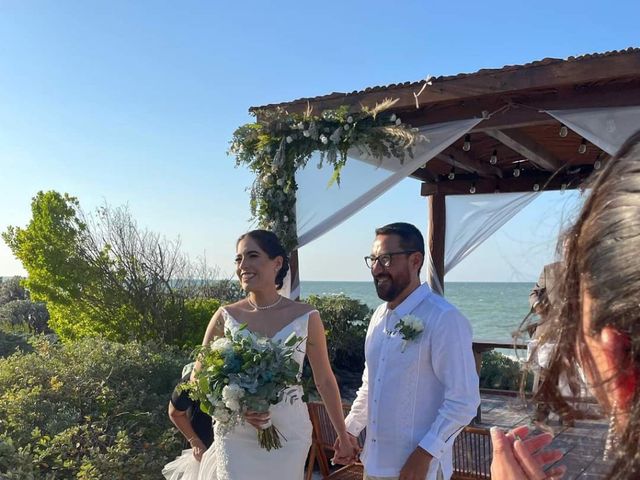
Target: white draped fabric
[
  {"x": 607, "y": 128},
  {"x": 320, "y": 207}
]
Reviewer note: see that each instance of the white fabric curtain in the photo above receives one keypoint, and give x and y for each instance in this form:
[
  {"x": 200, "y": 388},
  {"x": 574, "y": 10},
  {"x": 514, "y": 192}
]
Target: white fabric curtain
[
  {"x": 608, "y": 128},
  {"x": 320, "y": 207},
  {"x": 472, "y": 219}
]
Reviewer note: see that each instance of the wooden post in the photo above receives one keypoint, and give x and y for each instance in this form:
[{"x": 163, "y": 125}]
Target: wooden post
[
  {"x": 437, "y": 226},
  {"x": 294, "y": 268}
]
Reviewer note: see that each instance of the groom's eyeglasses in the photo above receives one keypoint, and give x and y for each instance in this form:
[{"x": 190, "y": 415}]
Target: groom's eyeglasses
[{"x": 385, "y": 258}]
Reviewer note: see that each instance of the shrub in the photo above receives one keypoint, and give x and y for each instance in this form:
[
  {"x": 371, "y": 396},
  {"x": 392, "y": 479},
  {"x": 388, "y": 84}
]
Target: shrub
[
  {"x": 24, "y": 316},
  {"x": 345, "y": 320},
  {"x": 500, "y": 372},
  {"x": 89, "y": 410},
  {"x": 11, "y": 342}
]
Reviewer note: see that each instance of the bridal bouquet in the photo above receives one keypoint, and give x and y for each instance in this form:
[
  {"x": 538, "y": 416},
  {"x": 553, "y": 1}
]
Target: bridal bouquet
[{"x": 244, "y": 372}]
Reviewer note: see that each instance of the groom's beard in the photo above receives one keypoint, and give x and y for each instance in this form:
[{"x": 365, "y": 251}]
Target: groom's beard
[{"x": 388, "y": 288}]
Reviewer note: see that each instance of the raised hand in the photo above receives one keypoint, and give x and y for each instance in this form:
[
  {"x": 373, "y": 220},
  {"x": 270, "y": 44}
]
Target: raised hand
[{"x": 515, "y": 458}]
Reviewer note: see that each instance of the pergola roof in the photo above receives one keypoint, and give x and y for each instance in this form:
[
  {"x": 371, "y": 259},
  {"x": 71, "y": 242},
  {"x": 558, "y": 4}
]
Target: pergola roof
[{"x": 512, "y": 100}]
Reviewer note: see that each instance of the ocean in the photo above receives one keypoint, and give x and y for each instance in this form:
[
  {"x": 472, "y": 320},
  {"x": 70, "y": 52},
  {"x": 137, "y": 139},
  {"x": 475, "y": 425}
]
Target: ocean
[{"x": 493, "y": 309}]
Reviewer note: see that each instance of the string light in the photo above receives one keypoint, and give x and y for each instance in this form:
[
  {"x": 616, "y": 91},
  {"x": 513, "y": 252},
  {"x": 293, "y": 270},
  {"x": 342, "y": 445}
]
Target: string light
[
  {"x": 516, "y": 172},
  {"x": 564, "y": 131},
  {"x": 536, "y": 187},
  {"x": 466, "y": 146},
  {"x": 472, "y": 190},
  {"x": 582, "y": 149},
  {"x": 494, "y": 158},
  {"x": 597, "y": 164},
  {"x": 452, "y": 174}
]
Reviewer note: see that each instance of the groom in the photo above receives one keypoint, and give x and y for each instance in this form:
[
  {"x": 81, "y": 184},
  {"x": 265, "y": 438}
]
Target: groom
[{"x": 419, "y": 386}]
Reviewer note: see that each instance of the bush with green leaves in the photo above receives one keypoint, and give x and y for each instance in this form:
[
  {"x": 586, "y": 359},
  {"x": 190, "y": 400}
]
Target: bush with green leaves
[
  {"x": 501, "y": 372},
  {"x": 345, "y": 321},
  {"x": 11, "y": 342},
  {"x": 89, "y": 410}
]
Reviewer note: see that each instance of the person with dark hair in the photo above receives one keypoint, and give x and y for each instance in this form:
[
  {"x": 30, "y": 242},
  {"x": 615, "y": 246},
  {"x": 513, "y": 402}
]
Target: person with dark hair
[
  {"x": 419, "y": 386},
  {"x": 195, "y": 426},
  {"x": 598, "y": 324},
  {"x": 261, "y": 266}
]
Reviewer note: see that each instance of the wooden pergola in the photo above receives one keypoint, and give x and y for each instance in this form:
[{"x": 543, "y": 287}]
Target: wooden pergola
[{"x": 517, "y": 147}]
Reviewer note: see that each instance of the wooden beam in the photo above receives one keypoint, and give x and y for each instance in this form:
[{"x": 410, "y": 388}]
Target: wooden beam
[
  {"x": 437, "y": 228},
  {"x": 465, "y": 162},
  {"x": 525, "y": 183},
  {"x": 528, "y": 148},
  {"x": 549, "y": 73}
]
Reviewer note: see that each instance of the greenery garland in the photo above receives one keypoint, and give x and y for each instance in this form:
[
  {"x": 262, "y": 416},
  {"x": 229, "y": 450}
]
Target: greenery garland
[{"x": 279, "y": 143}]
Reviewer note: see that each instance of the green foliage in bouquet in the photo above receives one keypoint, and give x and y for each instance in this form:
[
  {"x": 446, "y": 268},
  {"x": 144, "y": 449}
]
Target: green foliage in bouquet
[
  {"x": 89, "y": 410},
  {"x": 279, "y": 143},
  {"x": 243, "y": 372}
]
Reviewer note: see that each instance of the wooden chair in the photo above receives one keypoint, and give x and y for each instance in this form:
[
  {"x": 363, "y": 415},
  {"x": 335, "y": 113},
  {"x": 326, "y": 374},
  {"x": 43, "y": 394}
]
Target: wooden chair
[
  {"x": 472, "y": 454},
  {"x": 323, "y": 439}
]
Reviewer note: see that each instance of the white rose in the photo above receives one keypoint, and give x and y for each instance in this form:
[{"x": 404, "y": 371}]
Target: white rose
[
  {"x": 398, "y": 121},
  {"x": 231, "y": 395},
  {"x": 413, "y": 322},
  {"x": 393, "y": 117},
  {"x": 289, "y": 139},
  {"x": 349, "y": 119},
  {"x": 346, "y": 127},
  {"x": 222, "y": 344},
  {"x": 280, "y": 182},
  {"x": 306, "y": 133}
]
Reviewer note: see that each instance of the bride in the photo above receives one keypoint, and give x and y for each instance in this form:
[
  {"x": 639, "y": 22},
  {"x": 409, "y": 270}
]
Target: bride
[{"x": 261, "y": 265}]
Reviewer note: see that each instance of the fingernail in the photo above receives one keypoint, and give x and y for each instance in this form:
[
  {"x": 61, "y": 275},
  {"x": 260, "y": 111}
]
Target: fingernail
[{"x": 495, "y": 431}]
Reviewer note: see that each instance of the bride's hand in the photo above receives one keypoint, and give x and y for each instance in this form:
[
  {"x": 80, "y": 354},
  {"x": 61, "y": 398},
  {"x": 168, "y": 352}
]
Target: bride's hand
[{"x": 257, "y": 419}]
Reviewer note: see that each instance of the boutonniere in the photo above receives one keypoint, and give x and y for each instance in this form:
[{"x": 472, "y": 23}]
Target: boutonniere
[{"x": 409, "y": 327}]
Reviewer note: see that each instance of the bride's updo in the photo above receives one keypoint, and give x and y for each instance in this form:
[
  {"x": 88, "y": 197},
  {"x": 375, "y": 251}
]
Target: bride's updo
[{"x": 270, "y": 244}]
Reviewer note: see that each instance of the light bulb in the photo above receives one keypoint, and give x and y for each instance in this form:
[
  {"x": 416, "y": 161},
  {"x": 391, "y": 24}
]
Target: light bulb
[
  {"x": 466, "y": 146},
  {"x": 583, "y": 147},
  {"x": 494, "y": 158},
  {"x": 516, "y": 172},
  {"x": 452, "y": 174},
  {"x": 564, "y": 131},
  {"x": 472, "y": 190},
  {"x": 536, "y": 187},
  {"x": 597, "y": 164}
]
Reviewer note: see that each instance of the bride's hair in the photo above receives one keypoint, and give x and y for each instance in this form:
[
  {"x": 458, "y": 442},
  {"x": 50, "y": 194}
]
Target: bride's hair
[
  {"x": 270, "y": 244},
  {"x": 601, "y": 258}
]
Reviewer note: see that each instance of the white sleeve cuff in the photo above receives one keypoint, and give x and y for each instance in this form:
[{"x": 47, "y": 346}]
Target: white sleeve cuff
[
  {"x": 353, "y": 426},
  {"x": 433, "y": 445}
]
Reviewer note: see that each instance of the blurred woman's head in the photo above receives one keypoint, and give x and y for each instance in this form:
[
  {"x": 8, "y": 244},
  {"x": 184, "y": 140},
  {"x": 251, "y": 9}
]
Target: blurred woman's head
[{"x": 598, "y": 323}]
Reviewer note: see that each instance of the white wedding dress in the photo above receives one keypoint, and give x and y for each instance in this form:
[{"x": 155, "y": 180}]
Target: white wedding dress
[{"x": 236, "y": 455}]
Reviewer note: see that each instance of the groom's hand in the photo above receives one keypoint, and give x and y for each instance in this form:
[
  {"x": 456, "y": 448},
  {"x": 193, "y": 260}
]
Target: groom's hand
[{"x": 416, "y": 466}]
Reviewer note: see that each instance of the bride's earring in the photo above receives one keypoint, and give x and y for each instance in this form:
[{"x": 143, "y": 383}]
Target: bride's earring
[{"x": 612, "y": 437}]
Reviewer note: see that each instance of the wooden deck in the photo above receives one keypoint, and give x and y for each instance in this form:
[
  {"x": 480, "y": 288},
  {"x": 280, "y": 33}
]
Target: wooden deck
[{"x": 582, "y": 445}]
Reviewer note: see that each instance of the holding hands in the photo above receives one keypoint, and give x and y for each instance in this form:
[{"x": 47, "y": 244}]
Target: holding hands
[
  {"x": 515, "y": 458},
  {"x": 346, "y": 449}
]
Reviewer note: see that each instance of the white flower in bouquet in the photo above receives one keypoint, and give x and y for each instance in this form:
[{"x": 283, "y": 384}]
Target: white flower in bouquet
[
  {"x": 393, "y": 117},
  {"x": 398, "y": 122},
  {"x": 222, "y": 345},
  {"x": 289, "y": 139},
  {"x": 231, "y": 395},
  {"x": 349, "y": 119}
]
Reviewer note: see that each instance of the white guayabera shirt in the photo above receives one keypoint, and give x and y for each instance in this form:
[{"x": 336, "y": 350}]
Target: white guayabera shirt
[{"x": 422, "y": 396}]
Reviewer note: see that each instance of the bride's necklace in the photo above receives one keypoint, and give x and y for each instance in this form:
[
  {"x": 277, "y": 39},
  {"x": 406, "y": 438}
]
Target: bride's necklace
[{"x": 266, "y": 307}]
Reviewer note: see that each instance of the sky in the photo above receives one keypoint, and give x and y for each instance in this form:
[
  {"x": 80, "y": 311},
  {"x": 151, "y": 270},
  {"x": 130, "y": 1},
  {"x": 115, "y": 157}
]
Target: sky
[{"x": 135, "y": 102}]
